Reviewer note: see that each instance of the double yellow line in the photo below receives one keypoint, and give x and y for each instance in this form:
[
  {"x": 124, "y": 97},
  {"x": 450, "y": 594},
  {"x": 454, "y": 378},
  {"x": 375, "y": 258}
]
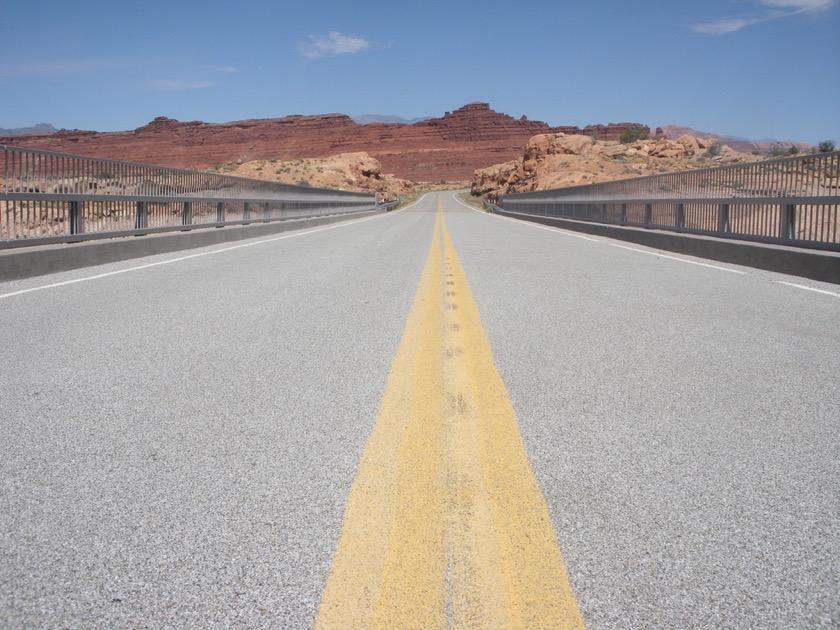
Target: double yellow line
[{"x": 445, "y": 525}]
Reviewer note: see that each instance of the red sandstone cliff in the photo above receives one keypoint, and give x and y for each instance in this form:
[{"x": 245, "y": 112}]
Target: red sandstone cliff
[{"x": 450, "y": 148}]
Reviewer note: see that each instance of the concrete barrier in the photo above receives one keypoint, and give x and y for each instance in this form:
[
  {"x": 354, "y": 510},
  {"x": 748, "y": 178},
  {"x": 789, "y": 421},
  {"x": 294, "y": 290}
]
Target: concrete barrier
[
  {"x": 806, "y": 263},
  {"x": 16, "y": 264}
]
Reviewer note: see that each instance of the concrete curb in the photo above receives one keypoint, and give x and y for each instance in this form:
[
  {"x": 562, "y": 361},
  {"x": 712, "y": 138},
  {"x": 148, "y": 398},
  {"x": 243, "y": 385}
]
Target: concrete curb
[
  {"x": 806, "y": 263},
  {"x": 16, "y": 264}
]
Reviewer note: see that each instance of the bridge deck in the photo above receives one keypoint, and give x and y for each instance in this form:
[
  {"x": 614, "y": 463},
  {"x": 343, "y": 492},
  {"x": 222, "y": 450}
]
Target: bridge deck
[{"x": 181, "y": 433}]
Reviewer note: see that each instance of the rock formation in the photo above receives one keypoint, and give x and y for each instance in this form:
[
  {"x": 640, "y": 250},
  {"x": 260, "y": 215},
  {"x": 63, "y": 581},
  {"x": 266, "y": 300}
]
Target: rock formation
[
  {"x": 557, "y": 160},
  {"x": 348, "y": 171},
  {"x": 449, "y": 148}
]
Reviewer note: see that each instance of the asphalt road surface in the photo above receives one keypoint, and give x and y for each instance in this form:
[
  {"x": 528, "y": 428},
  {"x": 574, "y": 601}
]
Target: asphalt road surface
[{"x": 179, "y": 435}]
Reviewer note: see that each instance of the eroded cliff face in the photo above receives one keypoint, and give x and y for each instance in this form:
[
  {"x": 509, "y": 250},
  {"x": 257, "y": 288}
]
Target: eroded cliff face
[{"x": 449, "y": 148}]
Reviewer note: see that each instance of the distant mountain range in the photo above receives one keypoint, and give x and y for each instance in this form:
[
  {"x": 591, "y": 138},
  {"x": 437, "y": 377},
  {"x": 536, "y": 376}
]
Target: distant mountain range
[
  {"x": 672, "y": 132},
  {"x": 39, "y": 129},
  {"x": 448, "y": 148}
]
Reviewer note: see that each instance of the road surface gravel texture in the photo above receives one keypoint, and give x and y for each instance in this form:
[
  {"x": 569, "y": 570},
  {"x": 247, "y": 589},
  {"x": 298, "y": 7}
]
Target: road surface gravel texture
[{"x": 180, "y": 433}]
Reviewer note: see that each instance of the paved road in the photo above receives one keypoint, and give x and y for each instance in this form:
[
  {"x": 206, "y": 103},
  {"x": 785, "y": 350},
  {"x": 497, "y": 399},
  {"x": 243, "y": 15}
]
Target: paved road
[{"x": 179, "y": 440}]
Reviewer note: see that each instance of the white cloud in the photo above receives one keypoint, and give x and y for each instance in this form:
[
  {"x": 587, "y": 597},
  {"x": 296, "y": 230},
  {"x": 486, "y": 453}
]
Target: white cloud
[
  {"x": 781, "y": 9},
  {"x": 333, "y": 44},
  {"x": 167, "y": 84},
  {"x": 799, "y": 5},
  {"x": 721, "y": 27}
]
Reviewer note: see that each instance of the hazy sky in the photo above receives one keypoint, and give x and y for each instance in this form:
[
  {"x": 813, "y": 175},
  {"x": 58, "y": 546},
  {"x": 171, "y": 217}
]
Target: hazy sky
[{"x": 751, "y": 68}]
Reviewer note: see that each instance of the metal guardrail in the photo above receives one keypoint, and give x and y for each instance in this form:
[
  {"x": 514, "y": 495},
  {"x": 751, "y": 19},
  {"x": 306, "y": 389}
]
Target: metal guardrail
[
  {"x": 792, "y": 201},
  {"x": 390, "y": 205},
  {"x": 49, "y": 197}
]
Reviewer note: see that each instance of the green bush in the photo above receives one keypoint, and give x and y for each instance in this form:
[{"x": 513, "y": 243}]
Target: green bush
[
  {"x": 632, "y": 135},
  {"x": 713, "y": 149},
  {"x": 777, "y": 150},
  {"x": 826, "y": 146}
]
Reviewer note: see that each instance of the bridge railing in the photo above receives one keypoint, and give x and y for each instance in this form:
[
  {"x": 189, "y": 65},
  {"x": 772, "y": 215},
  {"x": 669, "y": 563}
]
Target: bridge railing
[
  {"x": 49, "y": 197},
  {"x": 792, "y": 201}
]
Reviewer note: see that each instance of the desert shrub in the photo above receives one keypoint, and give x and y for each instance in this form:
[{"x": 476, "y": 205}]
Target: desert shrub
[
  {"x": 826, "y": 146},
  {"x": 632, "y": 135},
  {"x": 777, "y": 150},
  {"x": 714, "y": 149}
]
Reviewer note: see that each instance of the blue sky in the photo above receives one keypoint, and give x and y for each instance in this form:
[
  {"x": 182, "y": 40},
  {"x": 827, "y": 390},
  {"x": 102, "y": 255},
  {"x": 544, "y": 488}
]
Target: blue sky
[{"x": 750, "y": 68}]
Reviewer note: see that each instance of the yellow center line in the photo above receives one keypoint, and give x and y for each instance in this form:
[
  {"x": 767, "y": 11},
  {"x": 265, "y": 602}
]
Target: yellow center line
[{"x": 445, "y": 525}]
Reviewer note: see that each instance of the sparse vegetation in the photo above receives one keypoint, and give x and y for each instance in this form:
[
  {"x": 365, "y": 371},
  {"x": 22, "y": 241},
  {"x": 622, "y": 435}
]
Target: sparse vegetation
[
  {"x": 467, "y": 198},
  {"x": 714, "y": 149},
  {"x": 406, "y": 200},
  {"x": 633, "y": 135},
  {"x": 826, "y": 146},
  {"x": 776, "y": 151}
]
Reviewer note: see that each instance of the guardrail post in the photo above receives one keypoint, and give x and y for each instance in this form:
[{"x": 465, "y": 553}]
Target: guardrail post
[
  {"x": 76, "y": 217},
  {"x": 723, "y": 218},
  {"x": 266, "y": 212},
  {"x": 246, "y": 211},
  {"x": 787, "y": 229},
  {"x": 623, "y": 218},
  {"x": 186, "y": 213},
  {"x": 141, "y": 218},
  {"x": 680, "y": 216},
  {"x": 648, "y": 213},
  {"x": 220, "y": 212}
]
